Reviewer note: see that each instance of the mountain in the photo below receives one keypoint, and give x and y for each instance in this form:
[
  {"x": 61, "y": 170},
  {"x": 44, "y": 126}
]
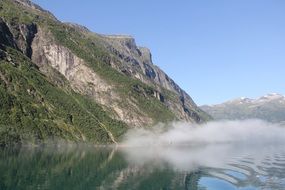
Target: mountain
[
  {"x": 270, "y": 107},
  {"x": 62, "y": 81}
]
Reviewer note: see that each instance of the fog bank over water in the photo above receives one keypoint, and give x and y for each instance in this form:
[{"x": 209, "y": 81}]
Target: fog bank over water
[
  {"x": 187, "y": 147},
  {"x": 216, "y": 132},
  {"x": 189, "y": 159}
]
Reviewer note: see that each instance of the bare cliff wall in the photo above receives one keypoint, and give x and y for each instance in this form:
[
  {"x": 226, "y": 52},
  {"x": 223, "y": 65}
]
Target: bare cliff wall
[{"x": 116, "y": 77}]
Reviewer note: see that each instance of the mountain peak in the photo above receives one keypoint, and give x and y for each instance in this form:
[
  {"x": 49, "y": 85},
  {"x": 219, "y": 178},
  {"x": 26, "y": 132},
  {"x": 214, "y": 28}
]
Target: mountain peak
[
  {"x": 30, "y": 5},
  {"x": 119, "y": 36},
  {"x": 240, "y": 100},
  {"x": 100, "y": 85},
  {"x": 274, "y": 95},
  {"x": 81, "y": 28},
  {"x": 267, "y": 97},
  {"x": 270, "y": 97},
  {"x": 269, "y": 107}
]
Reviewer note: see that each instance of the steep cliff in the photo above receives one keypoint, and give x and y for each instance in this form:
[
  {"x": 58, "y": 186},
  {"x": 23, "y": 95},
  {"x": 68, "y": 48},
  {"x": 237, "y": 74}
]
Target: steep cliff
[{"x": 90, "y": 87}]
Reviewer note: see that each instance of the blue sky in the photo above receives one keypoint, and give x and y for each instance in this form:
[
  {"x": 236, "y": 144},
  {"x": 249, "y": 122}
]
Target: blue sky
[{"x": 215, "y": 50}]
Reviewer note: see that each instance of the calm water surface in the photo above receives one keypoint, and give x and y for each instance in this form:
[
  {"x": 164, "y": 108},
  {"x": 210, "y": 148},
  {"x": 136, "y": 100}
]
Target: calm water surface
[{"x": 215, "y": 167}]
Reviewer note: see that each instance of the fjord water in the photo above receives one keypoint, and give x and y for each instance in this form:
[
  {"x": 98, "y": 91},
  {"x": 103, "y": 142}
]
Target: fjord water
[{"x": 216, "y": 166}]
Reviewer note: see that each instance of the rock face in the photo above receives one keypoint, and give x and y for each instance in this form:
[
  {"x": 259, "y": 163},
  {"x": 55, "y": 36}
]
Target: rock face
[
  {"x": 82, "y": 78},
  {"x": 270, "y": 107},
  {"x": 6, "y": 37},
  {"x": 137, "y": 63},
  {"x": 110, "y": 71}
]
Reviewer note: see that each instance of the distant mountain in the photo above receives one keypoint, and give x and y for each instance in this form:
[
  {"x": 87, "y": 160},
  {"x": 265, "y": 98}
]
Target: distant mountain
[
  {"x": 270, "y": 107},
  {"x": 62, "y": 81}
]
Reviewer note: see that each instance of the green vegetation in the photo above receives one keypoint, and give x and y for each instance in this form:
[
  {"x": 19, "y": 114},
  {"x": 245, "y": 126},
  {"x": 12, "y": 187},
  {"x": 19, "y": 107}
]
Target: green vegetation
[
  {"x": 41, "y": 105},
  {"x": 89, "y": 49},
  {"x": 34, "y": 109},
  {"x": 58, "y": 168},
  {"x": 15, "y": 13},
  {"x": 12, "y": 14},
  {"x": 69, "y": 168}
]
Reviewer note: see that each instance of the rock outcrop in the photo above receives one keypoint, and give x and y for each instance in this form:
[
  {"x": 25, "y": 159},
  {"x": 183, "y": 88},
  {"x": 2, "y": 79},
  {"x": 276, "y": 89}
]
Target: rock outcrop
[
  {"x": 110, "y": 72},
  {"x": 84, "y": 80},
  {"x": 137, "y": 63}
]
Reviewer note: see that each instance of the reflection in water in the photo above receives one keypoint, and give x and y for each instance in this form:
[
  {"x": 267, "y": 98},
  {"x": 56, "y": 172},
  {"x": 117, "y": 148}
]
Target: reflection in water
[
  {"x": 201, "y": 167},
  {"x": 61, "y": 168}
]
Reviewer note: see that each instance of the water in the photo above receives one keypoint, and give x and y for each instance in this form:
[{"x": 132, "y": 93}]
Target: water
[{"x": 214, "y": 167}]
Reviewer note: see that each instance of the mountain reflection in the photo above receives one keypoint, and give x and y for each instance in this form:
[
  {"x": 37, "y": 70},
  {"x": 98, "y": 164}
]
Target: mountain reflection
[{"x": 80, "y": 167}]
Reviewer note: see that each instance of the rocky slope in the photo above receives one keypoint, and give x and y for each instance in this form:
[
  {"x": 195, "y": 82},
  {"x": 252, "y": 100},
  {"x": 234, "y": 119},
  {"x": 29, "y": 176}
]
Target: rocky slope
[
  {"x": 86, "y": 86},
  {"x": 270, "y": 107}
]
